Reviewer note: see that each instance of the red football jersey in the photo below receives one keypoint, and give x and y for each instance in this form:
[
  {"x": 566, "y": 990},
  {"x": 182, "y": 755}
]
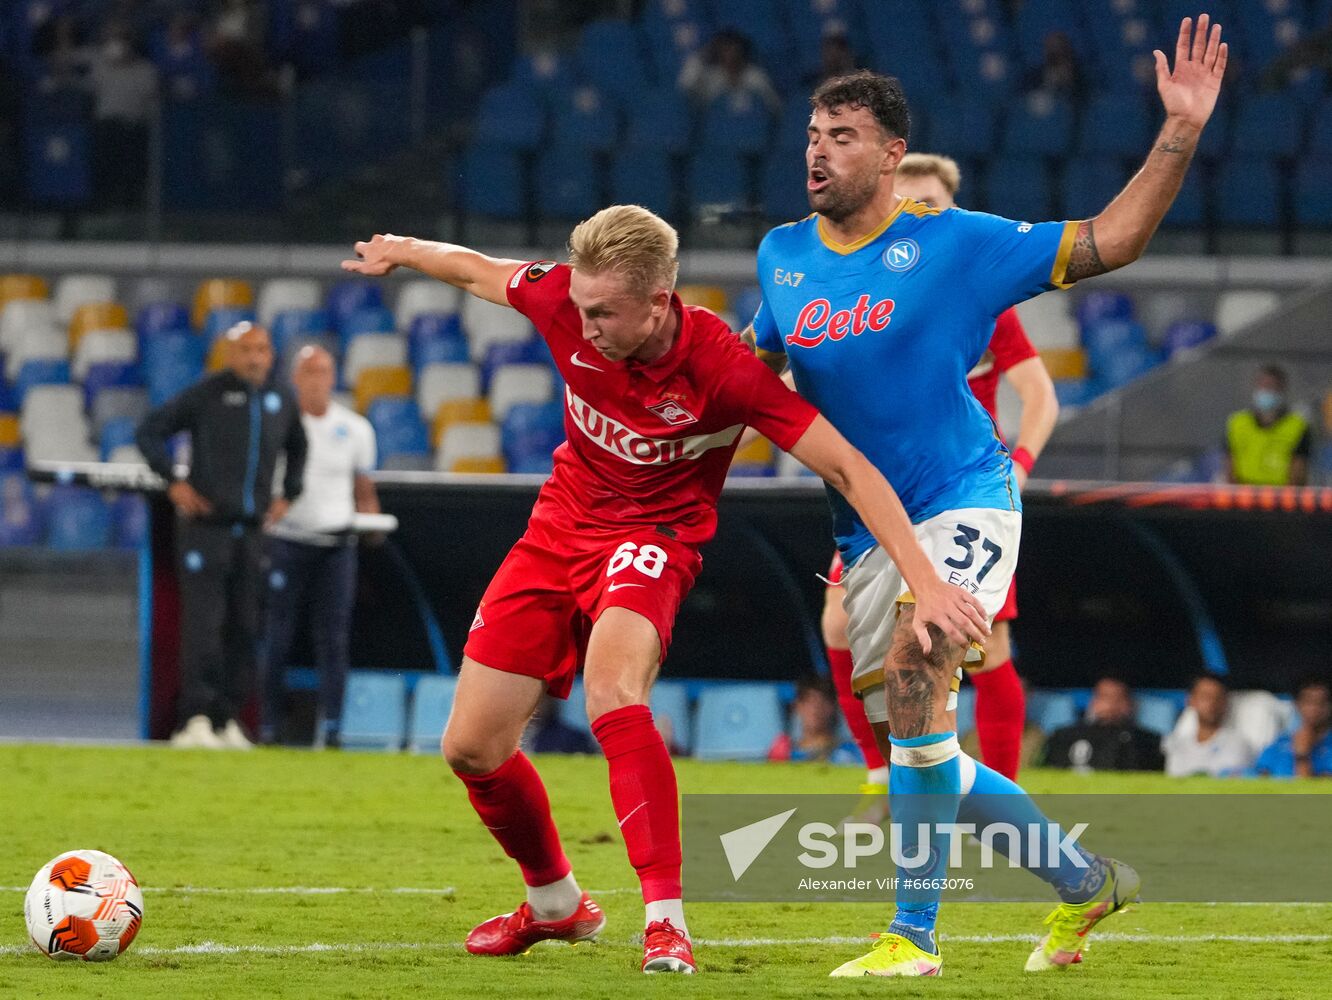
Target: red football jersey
[
  {"x": 1008, "y": 346},
  {"x": 649, "y": 444}
]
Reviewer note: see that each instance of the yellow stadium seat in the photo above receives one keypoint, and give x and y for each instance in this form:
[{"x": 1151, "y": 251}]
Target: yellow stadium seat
[
  {"x": 456, "y": 411},
  {"x": 96, "y": 316},
  {"x": 22, "y": 286},
  {"x": 215, "y": 292},
  {"x": 381, "y": 380},
  {"x": 708, "y": 296},
  {"x": 217, "y": 355},
  {"x": 757, "y": 452},
  {"x": 478, "y": 465},
  {"x": 1065, "y": 362},
  {"x": 9, "y": 430}
]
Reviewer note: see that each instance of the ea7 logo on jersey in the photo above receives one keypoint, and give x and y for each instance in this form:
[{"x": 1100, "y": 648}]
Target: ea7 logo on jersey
[
  {"x": 818, "y": 322},
  {"x": 791, "y": 278},
  {"x": 673, "y": 413}
]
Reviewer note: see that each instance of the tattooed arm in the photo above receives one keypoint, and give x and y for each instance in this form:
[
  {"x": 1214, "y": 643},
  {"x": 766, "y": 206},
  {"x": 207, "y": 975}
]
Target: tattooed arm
[
  {"x": 1121, "y": 232},
  {"x": 775, "y": 360}
]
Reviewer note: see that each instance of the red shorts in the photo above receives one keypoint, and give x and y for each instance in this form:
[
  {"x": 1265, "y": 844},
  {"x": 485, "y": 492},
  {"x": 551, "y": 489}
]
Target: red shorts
[
  {"x": 537, "y": 614},
  {"x": 1007, "y": 613}
]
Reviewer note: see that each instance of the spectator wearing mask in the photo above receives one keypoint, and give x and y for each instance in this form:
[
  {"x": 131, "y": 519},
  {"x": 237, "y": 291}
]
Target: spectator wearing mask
[
  {"x": 1268, "y": 445},
  {"x": 1306, "y": 752},
  {"x": 1108, "y": 739},
  {"x": 816, "y": 718},
  {"x": 725, "y": 68},
  {"x": 1204, "y": 741}
]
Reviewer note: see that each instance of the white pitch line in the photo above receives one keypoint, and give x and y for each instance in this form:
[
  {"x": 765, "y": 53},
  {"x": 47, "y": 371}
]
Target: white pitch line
[
  {"x": 281, "y": 890},
  {"x": 352, "y": 948}
]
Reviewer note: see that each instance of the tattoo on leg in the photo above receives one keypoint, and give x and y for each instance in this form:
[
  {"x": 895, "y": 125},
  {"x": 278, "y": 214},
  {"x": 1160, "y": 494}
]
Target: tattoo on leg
[
  {"x": 910, "y": 701},
  {"x": 1084, "y": 261},
  {"x": 915, "y": 679}
]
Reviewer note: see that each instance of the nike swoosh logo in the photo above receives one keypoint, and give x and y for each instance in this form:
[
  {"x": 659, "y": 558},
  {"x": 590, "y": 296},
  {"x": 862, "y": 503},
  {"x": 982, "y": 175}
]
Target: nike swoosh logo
[
  {"x": 643, "y": 803},
  {"x": 583, "y": 364},
  {"x": 616, "y": 586}
]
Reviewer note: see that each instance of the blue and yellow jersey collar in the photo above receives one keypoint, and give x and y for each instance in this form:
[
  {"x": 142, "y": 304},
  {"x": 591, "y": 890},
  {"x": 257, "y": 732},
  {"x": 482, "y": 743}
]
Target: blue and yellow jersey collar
[{"x": 904, "y": 205}]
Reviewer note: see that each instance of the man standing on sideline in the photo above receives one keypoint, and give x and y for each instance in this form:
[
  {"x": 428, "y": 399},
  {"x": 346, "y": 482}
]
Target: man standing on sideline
[
  {"x": 312, "y": 553},
  {"x": 238, "y": 423}
]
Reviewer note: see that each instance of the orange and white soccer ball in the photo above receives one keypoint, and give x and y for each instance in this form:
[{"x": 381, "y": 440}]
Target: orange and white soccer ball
[{"x": 83, "y": 905}]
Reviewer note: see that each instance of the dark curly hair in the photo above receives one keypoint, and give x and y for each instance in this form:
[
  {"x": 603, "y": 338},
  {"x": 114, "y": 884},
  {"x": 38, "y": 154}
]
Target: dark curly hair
[{"x": 882, "y": 95}]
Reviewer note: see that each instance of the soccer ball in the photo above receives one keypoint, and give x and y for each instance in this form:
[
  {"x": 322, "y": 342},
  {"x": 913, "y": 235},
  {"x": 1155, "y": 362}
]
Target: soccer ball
[{"x": 83, "y": 905}]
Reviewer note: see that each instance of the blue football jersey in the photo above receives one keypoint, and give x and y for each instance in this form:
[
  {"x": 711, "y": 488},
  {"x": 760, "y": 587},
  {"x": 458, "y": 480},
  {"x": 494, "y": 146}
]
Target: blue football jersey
[{"x": 881, "y": 333}]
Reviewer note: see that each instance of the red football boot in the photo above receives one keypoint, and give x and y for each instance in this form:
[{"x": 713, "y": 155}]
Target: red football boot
[
  {"x": 516, "y": 932},
  {"x": 666, "y": 949}
]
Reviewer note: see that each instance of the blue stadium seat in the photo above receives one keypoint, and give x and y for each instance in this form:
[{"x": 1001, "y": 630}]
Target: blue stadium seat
[
  {"x": 510, "y": 117},
  {"x": 1051, "y": 710},
  {"x": 1189, "y": 209},
  {"x": 11, "y": 460},
  {"x": 41, "y": 371},
  {"x": 115, "y": 433},
  {"x": 718, "y": 177},
  {"x": 492, "y": 183},
  {"x": 161, "y": 317},
  {"x": 660, "y": 123},
  {"x": 1313, "y": 194},
  {"x": 1074, "y": 391},
  {"x": 1104, "y": 304},
  {"x": 1320, "y": 129},
  {"x": 1248, "y": 193},
  {"x": 530, "y": 433},
  {"x": 291, "y": 325},
  {"x": 346, "y": 297},
  {"x": 9, "y": 397},
  {"x": 742, "y": 124},
  {"x": 58, "y": 162},
  {"x": 1039, "y": 126},
  {"x": 670, "y": 701},
  {"x": 1018, "y": 187},
  {"x": 610, "y": 55},
  {"x": 566, "y": 183},
  {"x": 586, "y": 119},
  {"x": 1116, "y": 124},
  {"x": 223, "y": 318},
  {"x": 431, "y": 703},
  {"x": 374, "y": 711},
  {"x": 545, "y": 73},
  {"x": 106, "y": 375},
  {"x": 366, "y": 320},
  {"x": 745, "y": 304},
  {"x": 20, "y": 514},
  {"x": 962, "y": 126},
  {"x": 436, "y": 338},
  {"x": 737, "y": 721},
  {"x": 1183, "y": 335},
  {"x": 76, "y": 520},
  {"x": 171, "y": 362},
  {"x": 398, "y": 427},
  {"x": 792, "y": 130},
  {"x": 1267, "y": 125},
  {"x": 129, "y": 515},
  {"x": 782, "y": 187},
  {"x": 636, "y": 179},
  {"x": 532, "y": 351},
  {"x": 750, "y": 470},
  {"x": 1156, "y": 713},
  {"x": 1090, "y": 183}
]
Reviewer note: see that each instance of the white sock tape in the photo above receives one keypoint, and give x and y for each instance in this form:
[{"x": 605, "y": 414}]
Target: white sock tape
[{"x": 928, "y": 755}]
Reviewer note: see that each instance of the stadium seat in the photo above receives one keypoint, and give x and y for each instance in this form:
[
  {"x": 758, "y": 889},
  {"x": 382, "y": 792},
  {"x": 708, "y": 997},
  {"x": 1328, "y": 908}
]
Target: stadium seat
[
  {"x": 1156, "y": 713},
  {"x": 1248, "y": 193},
  {"x": 737, "y": 721},
  {"x": 585, "y": 119},
  {"x": 670, "y": 709},
  {"x": 782, "y": 188},
  {"x": 11, "y": 460},
  {"x": 116, "y": 433},
  {"x": 90, "y": 316},
  {"x": 1090, "y": 183},
  {"x": 161, "y": 317},
  {"x": 1236, "y": 309},
  {"x": 519, "y": 384},
  {"x": 101, "y": 346},
  {"x": 1185, "y": 335},
  {"x": 436, "y": 338},
  {"x": 129, "y": 521},
  {"x": 292, "y": 327},
  {"x": 432, "y": 701},
  {"x": 649, "y": 181},
  {"x": 746, "y": 303},
  {"x": 457, "y": 411},
  {"x": 222, "y": 318},
  {"x": 739, "y": 123},
  {"x": 398, "y": 427},
  {"x": 374, "y": 711},
  {"x": 421, "y": 297},
  {"x": 20, "y": 315},
  {"x": 660, "y": 124},
  {"x": 20, "y": 514},
  {"x": 11, "y": 434},
  {"x": 1018, "y": 187},
  {"x": 365, "y": 320},
  {"x": 477, "y": 466},
  {"x": 1051, "y": 710},
  {"x": 1048, "y": 321},
  {"x": 712, "y": 297},
  {"x": 514, "y": 352},
  {"x": 76, "y": 520},
  {"x": 493, "y": 185},
  {"x": 610, "y": 55},
  {"x": 1313, "y": 194},
  {"x": 74, "y": 290},
  {"x": 346, "y": 297},
  {"x": 388, "y": 380},
  {"x": 437, "y": 384},
  {"x": 36, "y": 343},
  {"x": 373, "y": 350},
  {"x": 530, "y": 434},
  {"x": 566, "y": 182},
  {"x": 467, "y": 441},
  {"x": 1065, "y": 362},
  {"x": 103, "y": 375},
  {"x": 718, "y": 179},
  {"x": 544, "y": 72},
  {"x": 1115, "y": 125},
  {"x": 510, "y": 117},
  {"x": 280, "y": 294},
  {"x": 758, "y": 452},
  {"x": 21, "y": 286},
  {"x": 1267, "y": 125},
  {"x": 219, "y": 293},
  {"x": 963, "y": 126},
  {"x": 40, "y": 373},
  {"x": 1320, "y": 129},
  {"x": 1039, "y": 126},
  {"x": 1189, "y": 208},
  {"x": 486, "y": 323},
  {"x": 1098, "y": 305}
]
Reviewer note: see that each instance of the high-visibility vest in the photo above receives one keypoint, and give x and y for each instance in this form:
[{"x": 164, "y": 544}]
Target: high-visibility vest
[{"x": 1260, "y": 456}]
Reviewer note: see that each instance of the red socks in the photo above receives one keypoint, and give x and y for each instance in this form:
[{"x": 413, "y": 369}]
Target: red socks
[
  {"x": 1001, "y": 710},
  {"x": 644, "y": 794},
  {"x": 839, "y": 660},
  {"x": 512, "y": 803}
]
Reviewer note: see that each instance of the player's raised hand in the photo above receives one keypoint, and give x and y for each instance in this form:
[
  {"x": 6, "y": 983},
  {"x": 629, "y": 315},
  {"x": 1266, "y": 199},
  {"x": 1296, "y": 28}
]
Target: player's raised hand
[
  {"x": 1189, "y": 91},
  {"x": 375, "y": 257},
  {"x": 955, "y": 611}
]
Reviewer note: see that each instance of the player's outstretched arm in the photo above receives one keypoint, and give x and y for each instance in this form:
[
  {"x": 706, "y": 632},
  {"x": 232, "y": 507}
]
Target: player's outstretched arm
[
  {"x": 953, "y": 610},
  {"x": 1120, "y": 234},
  {"x": 485, "y": 277}
]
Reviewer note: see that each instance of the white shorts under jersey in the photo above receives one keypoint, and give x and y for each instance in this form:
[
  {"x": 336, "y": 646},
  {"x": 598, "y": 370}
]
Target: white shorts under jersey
[{"x": 341, "y": 444}]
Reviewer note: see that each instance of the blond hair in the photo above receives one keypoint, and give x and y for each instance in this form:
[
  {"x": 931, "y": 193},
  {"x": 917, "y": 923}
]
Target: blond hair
[
  {"x": 630, "y": 241},
  {"x": 932, "y": 165}
]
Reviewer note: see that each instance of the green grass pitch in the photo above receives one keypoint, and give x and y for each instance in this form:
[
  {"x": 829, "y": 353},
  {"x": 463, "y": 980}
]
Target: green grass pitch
[{"x": 208, "y": 835}]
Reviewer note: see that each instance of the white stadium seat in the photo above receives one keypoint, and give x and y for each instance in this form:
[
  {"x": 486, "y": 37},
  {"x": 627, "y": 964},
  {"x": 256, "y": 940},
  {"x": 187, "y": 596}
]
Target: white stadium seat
[
  {"x": 102, "y": 345},
  {"x": 419, "y": 297},
  {"x": 127, "y": 454},
  {"x": 21, "y": 315},
  {"x": 47, "y": 406},
  {"x": 1049, "y": 322},
  {"x": 1236, "y": 310},
  {"x": 32, "y": 344},
  {"x": 373, "y": 350},
  {"x": 519, "y": 384},
  {"x": 74, "y": 290},
  {"x": 439, "y": 383},
  {"x": 286, "y": 293},
  {"x": 487, "y": 323},
  {"x": 467, "y": 440}
]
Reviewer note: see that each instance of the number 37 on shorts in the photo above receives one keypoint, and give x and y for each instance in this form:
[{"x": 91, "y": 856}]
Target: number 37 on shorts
[{"x": 976, "y": 549}]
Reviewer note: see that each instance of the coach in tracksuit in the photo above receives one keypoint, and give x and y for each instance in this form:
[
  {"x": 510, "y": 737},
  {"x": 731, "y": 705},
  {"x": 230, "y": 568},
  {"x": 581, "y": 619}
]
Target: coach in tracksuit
[{"x": 238, "y": 422}]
